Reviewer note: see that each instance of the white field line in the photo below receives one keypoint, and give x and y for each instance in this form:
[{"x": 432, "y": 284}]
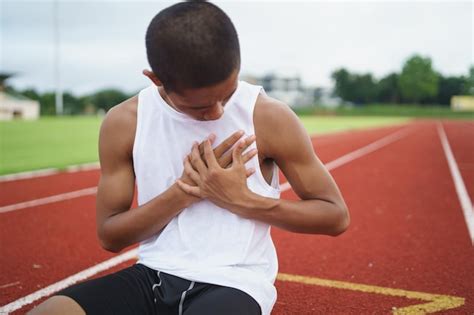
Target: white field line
[
  {"x": 50, "y": 199},
  {"x": 49, "y": 172},
  {"x": 55, "y": 287},
  {"x": 463, "y": 196},
  {"x": 351, "y": 156}
]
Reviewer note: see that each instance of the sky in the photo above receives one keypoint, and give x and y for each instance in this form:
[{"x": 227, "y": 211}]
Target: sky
[{"x": 101, "y": 43}]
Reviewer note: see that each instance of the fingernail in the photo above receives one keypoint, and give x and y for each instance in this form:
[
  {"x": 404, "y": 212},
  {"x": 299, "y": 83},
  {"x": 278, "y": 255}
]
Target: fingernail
[{"x": 241, "y": 132}]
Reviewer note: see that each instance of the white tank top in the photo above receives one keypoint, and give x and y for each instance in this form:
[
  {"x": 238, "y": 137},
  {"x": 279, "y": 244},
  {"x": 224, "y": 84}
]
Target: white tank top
[{"x": 203, "y": 243}]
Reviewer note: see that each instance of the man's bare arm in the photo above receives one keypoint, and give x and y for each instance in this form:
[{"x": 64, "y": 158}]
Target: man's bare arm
[
  {"x": 322, "y": 209},
  {"x": 117, "y": 227}
]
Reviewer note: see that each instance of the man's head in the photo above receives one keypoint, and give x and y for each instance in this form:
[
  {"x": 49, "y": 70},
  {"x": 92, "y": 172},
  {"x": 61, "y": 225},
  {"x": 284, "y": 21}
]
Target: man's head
[{"x": 193, "y": 47}]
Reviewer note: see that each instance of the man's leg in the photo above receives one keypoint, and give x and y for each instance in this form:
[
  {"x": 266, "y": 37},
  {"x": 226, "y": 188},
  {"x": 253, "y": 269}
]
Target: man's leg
[
  {"x": 216, "y": 300},
  {"x": 128, "y": 291},
  {"x": 58, "y": 305}
]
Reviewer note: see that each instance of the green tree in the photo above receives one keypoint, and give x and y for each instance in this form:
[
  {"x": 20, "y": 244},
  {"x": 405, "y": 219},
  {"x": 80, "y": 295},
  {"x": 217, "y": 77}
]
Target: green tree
[
  {"x": 47, "y": 103},
  {"x": 341, "y": 78},
  {"x": 469, "y": 86},
  {"x": 387, "y": 89},
  {"x": 418, "y": 81},
  {"x": 449, "y": 86},
  {"x": 106, "y": 99}
]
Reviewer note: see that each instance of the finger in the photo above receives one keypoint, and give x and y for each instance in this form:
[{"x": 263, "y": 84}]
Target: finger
[
  {"x": 247, "y": 156},
  {"x": 212, "y": 138},
  {"x": 190, "y": 171},
  {"x": 228, "y": 143},
  {"x": 209, "y": 156},
  {"x": 250, "y": 172},
  {"x": 237, "y": 153},
  {"x": 246, "y": 143},
  {"x": 196, "y": 161},
  {"x": 192, "y": 190},
  {"x": 226, "y": 160}
]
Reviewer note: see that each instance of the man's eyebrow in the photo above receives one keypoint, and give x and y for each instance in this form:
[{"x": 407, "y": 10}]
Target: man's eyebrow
[{"x": 225, "y": 99}]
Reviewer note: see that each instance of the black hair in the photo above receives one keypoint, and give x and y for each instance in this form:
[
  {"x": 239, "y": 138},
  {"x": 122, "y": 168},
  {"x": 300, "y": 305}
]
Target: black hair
[{"x": 192, "y": 44}]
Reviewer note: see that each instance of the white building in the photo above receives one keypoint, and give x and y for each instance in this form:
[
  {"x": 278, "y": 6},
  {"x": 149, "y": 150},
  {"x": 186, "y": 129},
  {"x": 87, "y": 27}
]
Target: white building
[{"x": 18, "y": 107}]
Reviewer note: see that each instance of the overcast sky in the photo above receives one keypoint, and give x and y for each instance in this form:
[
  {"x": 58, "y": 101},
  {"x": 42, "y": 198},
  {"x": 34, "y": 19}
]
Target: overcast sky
[{"x": 102, "y": 42}]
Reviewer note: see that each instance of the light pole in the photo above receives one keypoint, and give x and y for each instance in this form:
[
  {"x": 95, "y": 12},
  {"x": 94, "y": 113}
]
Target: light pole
[{"x": 57, "y": 70}]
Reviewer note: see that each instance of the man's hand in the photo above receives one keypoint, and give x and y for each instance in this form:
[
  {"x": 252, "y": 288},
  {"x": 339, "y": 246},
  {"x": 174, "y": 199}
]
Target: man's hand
[
  {"x": 226, "y": 187},
  {"x": 221, "y": 154}
]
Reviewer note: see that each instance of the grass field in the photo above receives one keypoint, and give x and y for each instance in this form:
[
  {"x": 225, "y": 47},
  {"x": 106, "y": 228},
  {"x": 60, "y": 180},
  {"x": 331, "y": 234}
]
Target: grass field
[
  {"x": 395, "y": 110},
  {"x": 58, "y": 142}
]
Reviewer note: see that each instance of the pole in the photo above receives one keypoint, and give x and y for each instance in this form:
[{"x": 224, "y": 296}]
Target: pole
[{"x": 57, "y": 70}]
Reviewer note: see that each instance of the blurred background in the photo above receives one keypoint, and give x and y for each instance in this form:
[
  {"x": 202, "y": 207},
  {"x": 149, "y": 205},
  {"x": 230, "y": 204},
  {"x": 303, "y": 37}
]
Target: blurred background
[{"x": 77, "y": 59}]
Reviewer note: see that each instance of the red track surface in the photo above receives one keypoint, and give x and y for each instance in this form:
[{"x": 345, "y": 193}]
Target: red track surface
[{"x": 407, "y": 228}]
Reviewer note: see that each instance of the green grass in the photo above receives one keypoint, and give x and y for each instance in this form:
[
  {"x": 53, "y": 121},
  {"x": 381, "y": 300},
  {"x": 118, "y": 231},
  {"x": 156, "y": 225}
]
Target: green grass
[
  {"x": 48, "y": 142},
  {"x": 327, "y": 124},
  {"x": 395, "y": 110},
  {"x": 59, "y": 142}
]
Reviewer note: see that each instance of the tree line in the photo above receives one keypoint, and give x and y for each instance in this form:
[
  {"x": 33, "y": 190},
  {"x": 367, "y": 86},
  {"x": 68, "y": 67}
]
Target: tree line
[
  {"x": 417, "y": 83},
  {"x": 101, "y": 100}
]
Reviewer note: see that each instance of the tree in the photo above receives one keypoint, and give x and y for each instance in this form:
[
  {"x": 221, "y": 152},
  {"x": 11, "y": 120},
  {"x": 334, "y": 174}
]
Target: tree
[
  {"x": 106, "y": 99},
  {"x": 341, "y": 83},
  {"x": 469, "y": 86},
  {"x": 449, "y": 86},
  {"x": 387, "y": 89},
  {"x": 352, "y": 87},
  {"x": 418, "y": 81}
]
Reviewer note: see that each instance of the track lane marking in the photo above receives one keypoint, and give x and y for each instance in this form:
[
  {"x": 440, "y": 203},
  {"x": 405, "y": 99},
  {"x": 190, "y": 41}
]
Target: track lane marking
[
  {"x": 55, "y": 287},
  {"x": 351, "y": 156},
  {"x": 50, "y": 171},
  {"x": 50, "y": 199},
  {"x": 463, "y": 196},
  {"x": 436, "y": 302}
]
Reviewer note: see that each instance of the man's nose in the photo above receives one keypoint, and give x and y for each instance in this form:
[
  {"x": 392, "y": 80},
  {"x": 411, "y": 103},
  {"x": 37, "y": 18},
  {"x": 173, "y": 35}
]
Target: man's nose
[{"x": 215, "y": 112}]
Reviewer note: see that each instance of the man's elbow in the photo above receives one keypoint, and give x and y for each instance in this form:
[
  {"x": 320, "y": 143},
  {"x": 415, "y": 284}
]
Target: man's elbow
[
  {"x": 342, "y": 222},
  {"x": 107, "y": 243}
]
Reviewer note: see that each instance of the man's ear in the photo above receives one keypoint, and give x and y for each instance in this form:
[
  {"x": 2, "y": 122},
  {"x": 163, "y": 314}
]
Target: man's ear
[{"x": 150, "y": 75}]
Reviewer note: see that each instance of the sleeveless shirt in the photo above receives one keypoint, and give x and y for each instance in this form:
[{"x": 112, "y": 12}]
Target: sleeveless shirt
[{"x": 204, "y": 243}]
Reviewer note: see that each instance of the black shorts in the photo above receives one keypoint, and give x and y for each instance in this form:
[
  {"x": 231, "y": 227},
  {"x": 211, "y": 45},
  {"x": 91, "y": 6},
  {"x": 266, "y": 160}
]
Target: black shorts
[{"x": 142, "y": 290}]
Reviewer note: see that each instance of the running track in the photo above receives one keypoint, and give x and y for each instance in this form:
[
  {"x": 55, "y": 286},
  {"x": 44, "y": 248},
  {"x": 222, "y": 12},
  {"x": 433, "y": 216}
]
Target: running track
[{"x": 408, "y": 243}]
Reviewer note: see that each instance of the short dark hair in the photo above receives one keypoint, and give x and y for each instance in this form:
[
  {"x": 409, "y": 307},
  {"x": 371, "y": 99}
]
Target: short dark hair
[{"x": 191, "y": 45}]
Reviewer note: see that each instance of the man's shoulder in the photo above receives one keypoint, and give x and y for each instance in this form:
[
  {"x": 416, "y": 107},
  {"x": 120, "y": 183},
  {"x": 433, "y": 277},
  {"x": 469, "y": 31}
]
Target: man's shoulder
[
  {"x": 270, "y": 111},
  {"x": 119, "y": 123},
  {"x": 276, "y": 124}
]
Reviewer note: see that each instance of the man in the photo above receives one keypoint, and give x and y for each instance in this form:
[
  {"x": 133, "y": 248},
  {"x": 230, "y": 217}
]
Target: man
[{"x": 203, "y": 220}]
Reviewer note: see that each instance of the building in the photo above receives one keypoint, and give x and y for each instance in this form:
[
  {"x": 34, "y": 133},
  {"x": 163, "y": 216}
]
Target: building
[
  {"x": 462, "y": 102},
  {"x": 286, "y": 89},
  {"x": 16, "y": 106}
]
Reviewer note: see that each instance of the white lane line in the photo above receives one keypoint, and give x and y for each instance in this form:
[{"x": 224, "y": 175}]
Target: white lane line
[
  {"x": 55, "y": 287},
  {"x": 463, "y": 196},
  {"x": 3, "y": 286},
  {"x": 351, "y": 156},
  {"x": 50, "y": 199},
  {"x": 50, "y": 171}
]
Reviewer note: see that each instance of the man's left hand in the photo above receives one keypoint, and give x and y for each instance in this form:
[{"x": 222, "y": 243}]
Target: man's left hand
[{"x": 226, "y": 187}]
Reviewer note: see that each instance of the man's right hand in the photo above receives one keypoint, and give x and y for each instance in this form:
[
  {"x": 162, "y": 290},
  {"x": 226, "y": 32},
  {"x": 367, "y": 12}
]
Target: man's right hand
[{"x": 222, "y": 154}]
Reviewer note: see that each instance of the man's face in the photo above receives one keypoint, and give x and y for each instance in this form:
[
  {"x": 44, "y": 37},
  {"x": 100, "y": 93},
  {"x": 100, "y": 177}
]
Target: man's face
[{"x": 204, "y": 103}]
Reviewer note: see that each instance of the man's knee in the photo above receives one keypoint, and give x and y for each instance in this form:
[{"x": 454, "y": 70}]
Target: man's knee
[{"x": 58, "y": 304}]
